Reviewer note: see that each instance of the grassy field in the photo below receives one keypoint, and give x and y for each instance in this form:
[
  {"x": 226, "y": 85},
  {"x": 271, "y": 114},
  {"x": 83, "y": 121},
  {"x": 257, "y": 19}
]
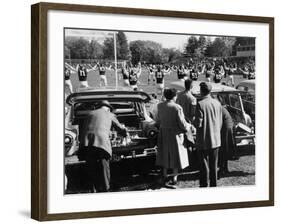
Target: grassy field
[
  {"x": 242, "y": 171},
  {"x": 94, "y": 80}
]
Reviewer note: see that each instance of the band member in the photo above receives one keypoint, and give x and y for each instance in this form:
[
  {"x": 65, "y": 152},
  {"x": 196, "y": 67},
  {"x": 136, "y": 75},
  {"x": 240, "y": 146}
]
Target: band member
[
  {"x": 166, "y": 70},
  {"x": 186, "y": 71},
  {"x": 82, "y": 72},
  {"x": 229, "y": 71},
  {"x": 95, "y": 142},
  {"x": 252, "y": 73},
  {"x": 248, "y": 72},
  {"x": 102, "y": 71},
  {"x": 209, "y": 71},
  {"x": 134, "y": 75},
  {"x": 151, "y": 72},
  {"x": 67, "y": 80},
  {"x": 181, "y": 73},
  {"x": 125, "y": 74},
  {"x": 159, "y": 74},
  {"x": 218, "y": 75},
  {"x": 194, "y": 74}
]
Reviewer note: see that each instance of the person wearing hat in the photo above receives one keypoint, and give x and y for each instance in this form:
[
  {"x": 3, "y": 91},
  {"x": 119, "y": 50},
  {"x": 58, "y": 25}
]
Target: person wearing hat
[
  {"x": 171, "y": 152},
  {"x": 208, "y": 123},
  {"x": 96, "y": 142}
]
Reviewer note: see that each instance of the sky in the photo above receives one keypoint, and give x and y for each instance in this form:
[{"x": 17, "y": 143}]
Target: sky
[{"x": 166, "y": 40}]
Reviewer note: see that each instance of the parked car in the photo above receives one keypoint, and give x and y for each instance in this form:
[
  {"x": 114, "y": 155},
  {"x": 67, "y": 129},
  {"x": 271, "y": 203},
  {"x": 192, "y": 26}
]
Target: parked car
[
  {"x": 230, "y": 97},
  {"x": 248, "y": 96},
  {"x": 129, "y": 108}
]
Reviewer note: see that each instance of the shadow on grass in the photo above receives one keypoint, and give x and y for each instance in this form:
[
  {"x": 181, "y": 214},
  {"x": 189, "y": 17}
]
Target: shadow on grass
[
  {"x": 247, "y": 150},
  {"x": 237, "y": 174}
]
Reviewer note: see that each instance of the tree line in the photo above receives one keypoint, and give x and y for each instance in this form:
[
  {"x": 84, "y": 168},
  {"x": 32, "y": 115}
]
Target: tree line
[{"x": 149, "y": 51}]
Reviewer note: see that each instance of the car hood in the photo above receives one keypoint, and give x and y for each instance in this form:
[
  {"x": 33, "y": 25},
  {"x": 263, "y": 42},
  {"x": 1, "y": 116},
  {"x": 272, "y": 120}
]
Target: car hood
[
  {"x": 179, "y": 85},
  {"x": 110, "y": 95}
]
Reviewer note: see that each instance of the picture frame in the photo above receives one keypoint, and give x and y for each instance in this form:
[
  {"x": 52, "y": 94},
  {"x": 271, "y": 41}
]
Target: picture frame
[{"x": 40, "y": 88}]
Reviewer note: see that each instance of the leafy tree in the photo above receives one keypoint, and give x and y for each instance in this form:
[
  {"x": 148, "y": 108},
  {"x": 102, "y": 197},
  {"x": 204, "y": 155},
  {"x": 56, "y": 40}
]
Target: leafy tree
[
  {"x": 136, "y": 48},
  {"x": 123, "y": 51},
  {"x": 66, "y": 52},
  {"x": 79, "y": 47},
  {"x": 95, "y": 50},
  {"x": 122, "y": 47},
  {"x": 170, "y": 55},
  {"x": 191, "y": 46},
  {"x": 147, "y": 51},
  {"x": 218, "y": 48},
  {"x": 108, "y": 48}
]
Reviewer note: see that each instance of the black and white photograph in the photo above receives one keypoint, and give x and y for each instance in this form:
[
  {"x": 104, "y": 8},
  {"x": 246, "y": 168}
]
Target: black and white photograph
[{"x": 151, "y": 111}]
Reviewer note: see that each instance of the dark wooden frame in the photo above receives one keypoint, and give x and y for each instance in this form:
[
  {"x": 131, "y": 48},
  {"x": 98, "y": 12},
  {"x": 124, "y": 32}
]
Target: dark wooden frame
[{"x": 39, "y": 110}]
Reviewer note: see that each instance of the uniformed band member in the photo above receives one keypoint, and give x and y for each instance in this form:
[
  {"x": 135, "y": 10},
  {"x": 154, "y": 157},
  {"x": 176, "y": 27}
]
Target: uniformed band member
[
  {"x": 181, "y": 73},
  {"x": 102, "y": 72},
  {"x": 208, "y": 123},
  {"x": 125, "y": 74},
  {"x": 194, "y": 74},
  {"x": 217, "y": 75},
  {"x": 229, "y": 71},
  {"x": 96, "y": 143},
  {"x": 151, "y": 74},
  {"x": 159, "y": 75},
  {"x": 248, "y": 72},
  {"x": 82, "y": 75},
  {"x": 209, "y": 72},
  {"x": 134, "y": 75},
  {"x": 82, "y": 72}
]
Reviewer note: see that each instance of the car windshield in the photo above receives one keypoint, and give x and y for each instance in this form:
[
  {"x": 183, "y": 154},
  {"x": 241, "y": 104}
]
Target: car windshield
[{"x": 228, "y": 99}]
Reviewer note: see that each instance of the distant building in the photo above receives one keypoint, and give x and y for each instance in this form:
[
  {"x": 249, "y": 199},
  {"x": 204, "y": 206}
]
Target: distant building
[{"x": 246, "y": 48}]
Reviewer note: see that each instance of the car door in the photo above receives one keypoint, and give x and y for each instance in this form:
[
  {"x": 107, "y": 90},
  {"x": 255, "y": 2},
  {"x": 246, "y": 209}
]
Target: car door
[{"x": 233, "y": 104}]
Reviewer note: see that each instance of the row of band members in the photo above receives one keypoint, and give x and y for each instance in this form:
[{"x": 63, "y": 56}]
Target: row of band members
[
  {"x": 156, "y": 73},
  {"x": 178, "y": 117}
]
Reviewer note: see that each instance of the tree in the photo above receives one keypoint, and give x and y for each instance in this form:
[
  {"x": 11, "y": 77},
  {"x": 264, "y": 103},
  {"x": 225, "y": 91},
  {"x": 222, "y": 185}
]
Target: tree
[
  {"x": 123, "y": 51},
  {"x": 79, "y": 47},
  {"x": 170, "y": 55},
  {"x": 191, "y": 46},
  {"x": 147, "y": 51},
  {"x": 218, "y": 48},
  {"x": 95, "y": 50},
  {"x": 136, "y": 48},
  {"x": 122, "y": 47},
  {"x": 108, "y": 48}
]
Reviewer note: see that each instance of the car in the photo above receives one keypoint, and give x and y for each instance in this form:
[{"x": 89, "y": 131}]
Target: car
[
  {"x": 248, "y": 96},
  {"x": 130, "y": 110},
  {"x": 129, "y": 153},
  {"x": 232, "y": 99}
]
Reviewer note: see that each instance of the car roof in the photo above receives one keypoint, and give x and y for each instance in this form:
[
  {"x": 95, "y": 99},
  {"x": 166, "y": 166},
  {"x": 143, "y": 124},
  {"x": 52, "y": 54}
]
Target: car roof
[
  {"x": 248, "y": 83},
  {"x": 216, "y": 87},
  {"x": 109, "y": 93}
]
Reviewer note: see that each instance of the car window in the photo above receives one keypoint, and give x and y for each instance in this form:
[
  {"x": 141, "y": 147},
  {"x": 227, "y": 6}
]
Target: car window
[
  {"x": 234, "y": 101},
  {"x": 228, "y": 99},
  {"x": 243, "y": 88}
]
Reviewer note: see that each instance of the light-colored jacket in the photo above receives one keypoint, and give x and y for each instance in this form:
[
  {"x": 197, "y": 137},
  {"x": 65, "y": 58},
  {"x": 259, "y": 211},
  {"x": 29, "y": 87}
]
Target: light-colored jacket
[{"x": 172, "y": 126}]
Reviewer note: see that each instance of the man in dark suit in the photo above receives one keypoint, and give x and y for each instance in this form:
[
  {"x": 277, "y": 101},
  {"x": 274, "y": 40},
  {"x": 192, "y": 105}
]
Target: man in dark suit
[
  {"x": 95, "y": 140},
  {"x": 208, "y": 140}
]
